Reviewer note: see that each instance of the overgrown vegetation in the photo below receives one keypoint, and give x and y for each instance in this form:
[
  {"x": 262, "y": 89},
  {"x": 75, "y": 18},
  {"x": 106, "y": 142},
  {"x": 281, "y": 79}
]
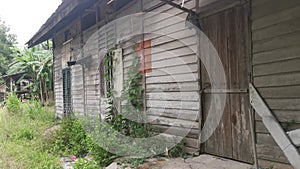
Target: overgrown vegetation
[
  {"x": 37, "y": 64},
  {"x": 7, "y": 41},
  {"x": 23, "y": 125},
  {"x": 22, "y": 136},
  {"x": 72, "y": 139}
]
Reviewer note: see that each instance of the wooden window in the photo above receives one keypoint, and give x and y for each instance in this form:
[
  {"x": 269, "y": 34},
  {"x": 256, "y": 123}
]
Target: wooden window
[{"x": 111, "y": 72}]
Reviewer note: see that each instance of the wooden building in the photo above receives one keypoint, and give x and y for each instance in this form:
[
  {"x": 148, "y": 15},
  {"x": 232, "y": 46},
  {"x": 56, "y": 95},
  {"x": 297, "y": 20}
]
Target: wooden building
[
  {"x": 257, "y": 41},
  {"x": 17, "y": 83}
]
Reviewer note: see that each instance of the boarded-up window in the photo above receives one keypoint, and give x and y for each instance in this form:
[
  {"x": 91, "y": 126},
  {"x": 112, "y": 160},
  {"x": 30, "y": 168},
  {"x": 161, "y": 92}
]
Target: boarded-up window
[{"x": 143, "y": 50}]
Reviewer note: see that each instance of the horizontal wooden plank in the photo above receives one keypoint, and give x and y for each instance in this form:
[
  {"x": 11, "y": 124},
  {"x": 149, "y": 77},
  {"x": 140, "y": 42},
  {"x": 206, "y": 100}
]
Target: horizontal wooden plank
[
  {"x": 172, "y": 122},
  {"x": 172, "y": 31},
  {"x": 191, "y": 77},
  {"x": 182, "y": 56},
  {"x": 291, "y": 52},
  {"x": 277, "y": 42},
  {"x": 275, "y": 17},
  {"x": 285, "y": 92},
  {"x": 278, "y": 29},
  {"x": 192, "y": 151},
  {"x": 260, "y": 128},
  {"x": 172, "y": 87},
  {"x": 191, "y": 142},
  {"x": 189, "y": 115},
  {"x": 184, "y": 105},
  {"x": 288, "y": 119},
  {"x": 159, "y": 21},
  {"x": 179, "y": 55},
  {"x": 277, "y": 67},
  {"x": 270, "y": 7},
  {"x": 177, "y": 96},
  {"x": 272, "y": 153},
  {"x": 176, "y": 40},
  {"x": 274, "y": 165},
  {"x": 181, "y": 69},
  {"x": 172, "y": 130},
  {"x": 265, "y": 139},
  {"x": 283, "y": 104},
  {"x": 278, "y": 80}
]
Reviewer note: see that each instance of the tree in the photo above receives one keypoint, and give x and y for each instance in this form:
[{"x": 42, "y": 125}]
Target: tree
[
  {"x": 37, "y": 63},
  {"x": 7, "y": 42}
]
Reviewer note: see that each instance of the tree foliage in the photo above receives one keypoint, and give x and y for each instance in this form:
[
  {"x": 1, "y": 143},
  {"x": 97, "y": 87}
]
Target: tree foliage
[
  {"x": 37, "y": 64},
  {"x": 7, "y": 41}
]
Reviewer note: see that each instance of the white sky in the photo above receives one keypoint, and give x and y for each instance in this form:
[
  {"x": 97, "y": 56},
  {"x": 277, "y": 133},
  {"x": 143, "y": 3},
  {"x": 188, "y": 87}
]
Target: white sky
[{"x": 25, "y": 17}]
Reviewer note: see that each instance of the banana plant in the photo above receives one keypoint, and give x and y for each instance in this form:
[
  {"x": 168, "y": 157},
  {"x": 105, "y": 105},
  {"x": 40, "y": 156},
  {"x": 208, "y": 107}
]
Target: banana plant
[{"x": 37, "y": 63}]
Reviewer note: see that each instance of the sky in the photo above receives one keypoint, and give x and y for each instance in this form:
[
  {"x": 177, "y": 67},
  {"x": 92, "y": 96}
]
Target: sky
[{"x": 25, "y": 17}]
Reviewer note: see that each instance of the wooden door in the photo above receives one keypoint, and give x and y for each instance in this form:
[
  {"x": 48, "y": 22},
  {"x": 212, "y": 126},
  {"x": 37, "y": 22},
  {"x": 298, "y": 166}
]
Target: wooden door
[{"x": 229, "y": 33}]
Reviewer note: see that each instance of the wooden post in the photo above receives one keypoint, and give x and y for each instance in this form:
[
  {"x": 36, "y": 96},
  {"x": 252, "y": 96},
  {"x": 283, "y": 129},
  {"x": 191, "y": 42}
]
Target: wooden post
[
  {"x": 252, "y": 124},
  {"x": 11, "y": 84}
]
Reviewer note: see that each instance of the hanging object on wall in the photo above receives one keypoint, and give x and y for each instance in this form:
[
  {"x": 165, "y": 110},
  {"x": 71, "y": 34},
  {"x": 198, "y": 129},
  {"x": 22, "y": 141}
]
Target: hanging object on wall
[{"x": 182, "y": 5}]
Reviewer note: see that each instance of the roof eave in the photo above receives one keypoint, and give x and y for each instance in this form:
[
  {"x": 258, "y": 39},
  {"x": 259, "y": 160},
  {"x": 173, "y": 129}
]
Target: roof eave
[{"x": 47, "y": 30}]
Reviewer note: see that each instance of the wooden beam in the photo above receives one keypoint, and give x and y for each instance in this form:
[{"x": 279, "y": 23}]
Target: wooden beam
[
  {"x": 178, "y": 6},
  {"x": 274, "y": 127},
  {"x": 295, "y": 136}
]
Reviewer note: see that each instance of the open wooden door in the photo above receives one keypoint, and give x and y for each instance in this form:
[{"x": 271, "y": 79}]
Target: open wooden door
[{"x": 229, "y": 32}]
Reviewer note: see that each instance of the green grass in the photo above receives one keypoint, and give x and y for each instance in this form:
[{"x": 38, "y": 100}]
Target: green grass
[{"x": 22, "y": 140}]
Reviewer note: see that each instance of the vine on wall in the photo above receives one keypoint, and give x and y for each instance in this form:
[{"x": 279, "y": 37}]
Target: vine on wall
[{"x": 131, "y": 120}]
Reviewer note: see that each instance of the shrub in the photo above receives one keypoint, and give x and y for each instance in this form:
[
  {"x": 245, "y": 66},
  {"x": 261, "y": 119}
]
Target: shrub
[
  {"x": 13, "y": 103},
  {"x": 72, "y": 139}
]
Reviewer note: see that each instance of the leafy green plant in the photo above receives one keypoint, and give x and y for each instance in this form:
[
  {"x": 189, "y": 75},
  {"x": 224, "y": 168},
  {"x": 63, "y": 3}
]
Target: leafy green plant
[
  {"x": 84, "y": 163},
  {"x": 13, "y": 103},
  {"x": 37, "y": 63},
  {"x": 72, "y": 139}
]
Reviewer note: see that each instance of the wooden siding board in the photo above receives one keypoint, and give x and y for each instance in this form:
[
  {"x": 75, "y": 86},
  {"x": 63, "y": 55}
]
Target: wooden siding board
[
  {"x": 271, "y": 153},
  {"x": 276, "y": 18},
  {"x": 275, "y": 165},
  {"x": 271, "y": 7},
  {"x": 288, "y": 79},
  {"x": 279, "y": 29},
  {"x": 189, "y": 115},
  {"x": 281, "y": 92},
  {"x": 288, "y": 53},
  {"x": 285, "y": 66},
  {"x": 277, "y": 42}
]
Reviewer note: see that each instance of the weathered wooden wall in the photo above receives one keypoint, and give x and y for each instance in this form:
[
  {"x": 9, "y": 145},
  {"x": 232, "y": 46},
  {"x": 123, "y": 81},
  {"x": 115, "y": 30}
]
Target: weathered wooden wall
[
  {"x": 172, "y": 85},
  {"x": 58, "y": 86},
  {"x": 276, "y": 70}
]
